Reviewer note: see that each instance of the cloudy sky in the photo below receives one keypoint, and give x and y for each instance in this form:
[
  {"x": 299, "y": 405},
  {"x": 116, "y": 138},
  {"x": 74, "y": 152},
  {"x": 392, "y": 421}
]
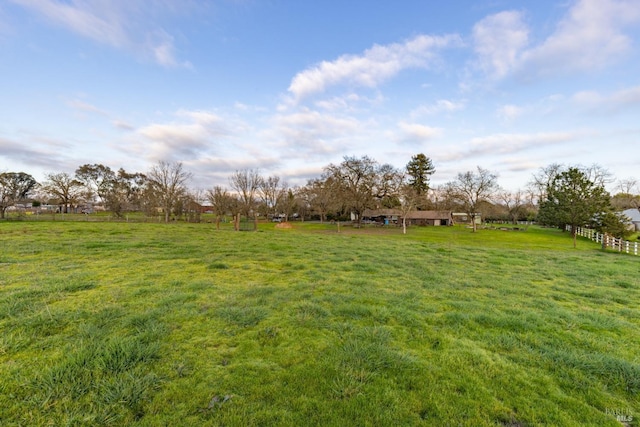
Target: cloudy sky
[{"x": 289, "y": 86}]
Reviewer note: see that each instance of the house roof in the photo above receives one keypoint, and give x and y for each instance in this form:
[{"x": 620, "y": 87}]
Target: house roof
[
  {"x": 374, "y": 213},
  {"x": 633, "y": 214},
  {"x": 429, "y": 215}
]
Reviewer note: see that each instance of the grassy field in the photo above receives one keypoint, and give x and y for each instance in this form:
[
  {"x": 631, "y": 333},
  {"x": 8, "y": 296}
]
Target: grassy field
[{"x": 183, "y": 325}]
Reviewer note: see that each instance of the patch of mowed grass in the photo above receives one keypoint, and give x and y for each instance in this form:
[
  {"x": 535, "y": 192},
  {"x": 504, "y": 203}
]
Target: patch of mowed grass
[{"x": 180, "y": 324}]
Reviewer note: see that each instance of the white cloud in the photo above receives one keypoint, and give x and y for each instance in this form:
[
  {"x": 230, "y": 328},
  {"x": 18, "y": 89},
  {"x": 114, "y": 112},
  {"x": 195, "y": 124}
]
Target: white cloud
[
  {"x": 505, "y": 143},
  {"x": 609, "y": 103},
  {"x": 417, "y": 133},
  {"x": 498, "y": 40},
  {"x": 349, "y": 103},
  {"x": 85, "y": 107},
  {"x": 509, "y": 143},
  {"x": 243, "y": 108},
  {"x": 589, "y": 37},
  {"x": 509, "y": 112},
  {"x": 200, "y": 132},
  {"x": 440, "y": 106},
  {"x": 122, "y": 125},
  {"x": 161, "y": 45},
  {"x": 373, "y": 67},
  {"x": 82, "y": 18},
  {"x": 35, "y": 149},
  {"x": 122, "y": 25},
  {"x": 312, "y": 131}
]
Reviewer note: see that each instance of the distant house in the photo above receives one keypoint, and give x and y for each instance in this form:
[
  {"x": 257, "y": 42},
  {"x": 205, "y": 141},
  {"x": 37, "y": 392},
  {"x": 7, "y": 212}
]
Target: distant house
[
  {"x": 381, "y": 216},
  {"x": 435, "y": 218},
  {"x": 207, "y": 209},
  {"x": 634, "y": 216},
  {"x": 464, "y": 218},
  {"x": 394, "y": 216}
]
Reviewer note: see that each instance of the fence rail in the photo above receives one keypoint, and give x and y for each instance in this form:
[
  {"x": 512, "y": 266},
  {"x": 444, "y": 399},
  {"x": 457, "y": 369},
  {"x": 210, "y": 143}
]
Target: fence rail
[{"x": 607, "y": 241}]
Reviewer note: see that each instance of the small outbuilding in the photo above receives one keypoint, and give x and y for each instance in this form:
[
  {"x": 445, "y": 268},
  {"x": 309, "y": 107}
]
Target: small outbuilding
[{"x": 394, "y": 216}]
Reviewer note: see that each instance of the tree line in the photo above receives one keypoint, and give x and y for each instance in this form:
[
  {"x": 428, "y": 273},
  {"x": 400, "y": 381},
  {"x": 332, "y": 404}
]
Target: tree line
[{"x": 556, "y": 195}]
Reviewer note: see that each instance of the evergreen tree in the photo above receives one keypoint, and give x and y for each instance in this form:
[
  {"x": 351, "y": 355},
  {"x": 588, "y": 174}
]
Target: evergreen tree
[
  {"x": 572, "y": 199},
  {"x": 420, "y": 168}
]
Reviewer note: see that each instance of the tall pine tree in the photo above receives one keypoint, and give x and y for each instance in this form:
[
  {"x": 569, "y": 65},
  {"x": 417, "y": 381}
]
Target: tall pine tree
[{"x": 419, "y": 169}]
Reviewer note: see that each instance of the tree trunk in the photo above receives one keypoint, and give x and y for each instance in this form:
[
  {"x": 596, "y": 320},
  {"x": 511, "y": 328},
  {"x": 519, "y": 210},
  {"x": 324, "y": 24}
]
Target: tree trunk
[{"x": 404, "y": 225}]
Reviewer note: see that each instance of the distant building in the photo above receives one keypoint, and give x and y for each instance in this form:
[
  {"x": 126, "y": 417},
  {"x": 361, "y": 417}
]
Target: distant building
[
  {"x": 464, "y": 218},
  {"x": 394, "y": 216},
  {"x": 634, "y": 216}
]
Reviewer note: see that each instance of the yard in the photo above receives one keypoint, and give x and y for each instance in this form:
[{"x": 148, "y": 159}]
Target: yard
[{"x": 179, "y": 324}]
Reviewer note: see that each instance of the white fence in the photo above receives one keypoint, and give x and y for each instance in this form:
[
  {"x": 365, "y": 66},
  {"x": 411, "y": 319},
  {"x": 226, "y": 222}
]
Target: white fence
[{"x": 608, "y": 241}]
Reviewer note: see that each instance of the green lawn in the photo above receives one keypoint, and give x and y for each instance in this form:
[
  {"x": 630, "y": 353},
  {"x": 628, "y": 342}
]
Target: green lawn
[{"x": 182, "y": 325}]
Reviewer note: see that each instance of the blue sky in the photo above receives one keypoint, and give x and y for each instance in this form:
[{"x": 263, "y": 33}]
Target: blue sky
[{"x": 288, "y": 87}]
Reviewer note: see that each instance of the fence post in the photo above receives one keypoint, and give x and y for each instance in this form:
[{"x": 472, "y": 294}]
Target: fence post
[{"x": 608, "y": 241}]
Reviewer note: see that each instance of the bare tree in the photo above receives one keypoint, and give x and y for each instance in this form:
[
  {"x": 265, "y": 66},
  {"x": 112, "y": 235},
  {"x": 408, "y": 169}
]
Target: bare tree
[
  {"x": 628, "y": 186},
  {"x": 191, "y": 204},
  {"x": 471, "y": 189},
  {"x": 542, "y": 179},
  {"x": 235, "y": 207},
  {"x": 118, "y": 191},
  {"x": 515, "y": 203},
  {"x": 288, "y": 203},
  {"x": 628, "y": 194},
  {"x": 409, "y": 196},
  {"x": 320, "y": 195},
  {"x": 301, "y": 204},
  {"x": 387, "y": 185},
  {"x": 597, "y": 174},
  {"x": 439, "y": 198},
  {"x": 246, "y": 183},
  {"x": 272, "y": 193},
  {"x": 361, "y": 183},
  {"x": 96, "y": 178},
  {"x": 221, "y": 201},
  {"x": 125, "y": 192},
  {"x": 63, "y": 188},
  {"x": 168, "y": 181},
  {"x": 14, "y": 186}
]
